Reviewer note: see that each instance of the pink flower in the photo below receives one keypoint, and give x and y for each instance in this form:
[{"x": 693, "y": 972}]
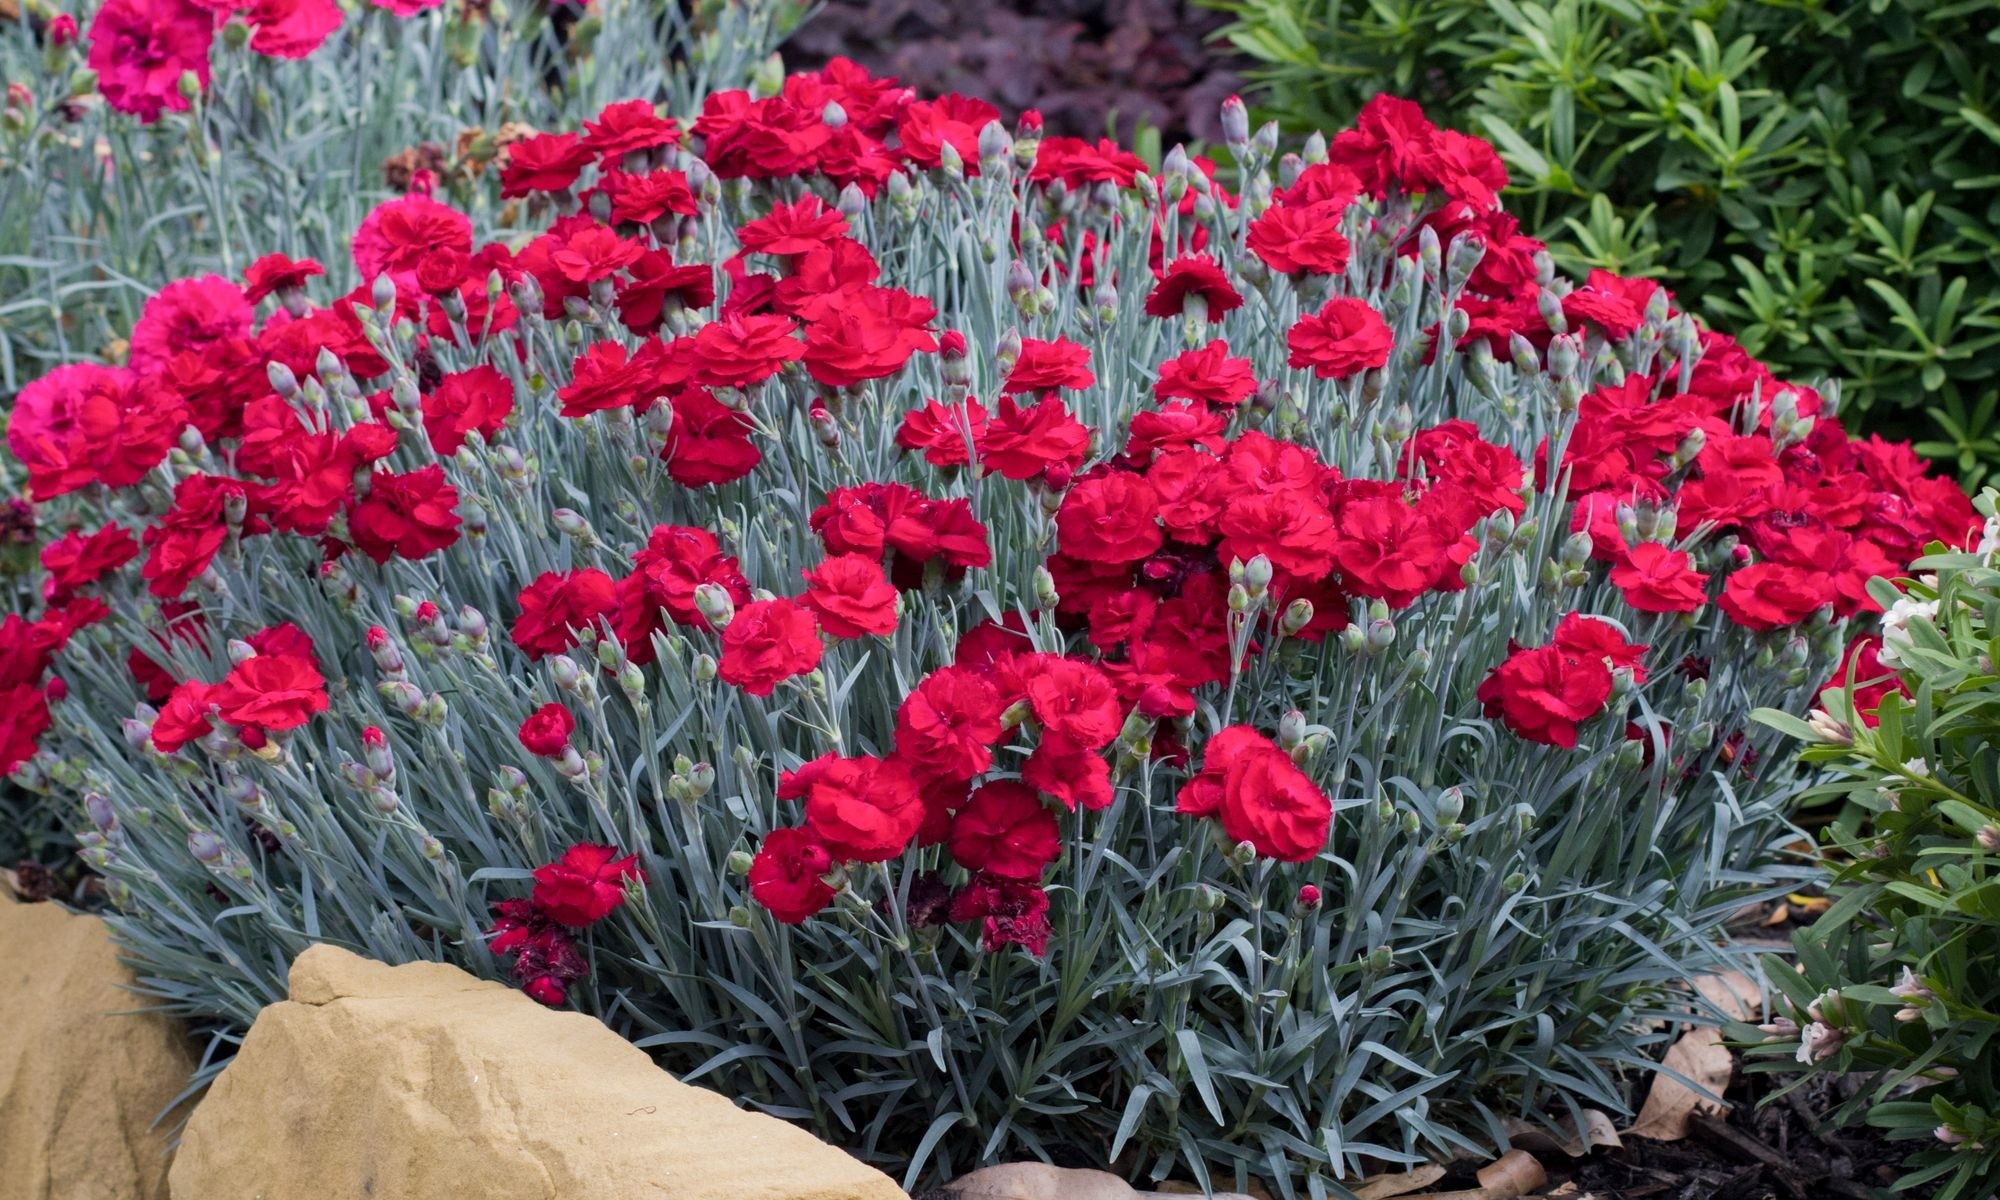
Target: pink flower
[
  {"x": 189, "y": 314},
  {"x": 141, "y": 48},
  {"x": 291, "y": 28}
]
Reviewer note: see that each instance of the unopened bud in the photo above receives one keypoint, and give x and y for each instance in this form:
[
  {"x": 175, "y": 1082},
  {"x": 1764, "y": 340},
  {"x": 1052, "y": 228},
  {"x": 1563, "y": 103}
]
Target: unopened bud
[
  {"x": 208, "y": 849},
  {"x": 1046, "y": 594},
  {"x": 1257, "y": 574},
  {"x": 1235, "y": 123},
  {"x": 713, "y": 601}
]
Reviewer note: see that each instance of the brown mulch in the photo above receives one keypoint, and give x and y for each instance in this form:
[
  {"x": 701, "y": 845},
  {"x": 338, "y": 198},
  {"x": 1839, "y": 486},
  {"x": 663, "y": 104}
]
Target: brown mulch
[
  {"x": 1085, "y": 65},
  {"x": 1783, "y": 1150}
]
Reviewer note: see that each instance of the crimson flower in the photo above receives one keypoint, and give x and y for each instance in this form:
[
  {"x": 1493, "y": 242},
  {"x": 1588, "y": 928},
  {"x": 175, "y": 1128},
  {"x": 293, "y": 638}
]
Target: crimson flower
[
  {"x": 584, "y": 885},
  {"x": 547, "y": 730}
]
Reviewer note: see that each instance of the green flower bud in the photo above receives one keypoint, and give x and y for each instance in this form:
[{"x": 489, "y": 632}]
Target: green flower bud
[{"x": 1046, "y": 594}]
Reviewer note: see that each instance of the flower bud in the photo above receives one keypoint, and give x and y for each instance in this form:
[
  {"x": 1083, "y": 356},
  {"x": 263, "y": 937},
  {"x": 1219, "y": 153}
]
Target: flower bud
[
  {"x": 704, "y": 668},
  {"x": 739, "y": 862},
  {"x": 1046, "y": 594},
  {"x": 715, "y": 605},
  {"x": 852, "y": 202},
  {"x": 1021, "y": 286},
  {"x": 1550, "y": 306},
  {"x": 208, "y": 849},
  {"x": 1008, "y": 351},
  {"x": 1450, "y": 805},
  {"x": 1819, "y": 1042},
  {"x": 1309, "y": 897},
  {"x": 1381, "y": 634},
  {"x": 994, "y": 144},
  {"x": 1257, "y": 574},
  {"x": 1208, "y": 898},
  {"x": 1564, "y": 355},
  {"x": 1988, "y": 838},
  {"x": 1521, "y": 352},
  {"x": 1235, "y": 123}
]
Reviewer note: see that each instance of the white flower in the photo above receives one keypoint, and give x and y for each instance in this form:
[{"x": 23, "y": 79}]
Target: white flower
[
  {"x": 1896, "y": 627},
  {"x": 1989, "y": 537},
  {"x": 1917, "y": 768},
  {"x": 1818, "y": 1042},
  {"x": 1909, "y": 987}
]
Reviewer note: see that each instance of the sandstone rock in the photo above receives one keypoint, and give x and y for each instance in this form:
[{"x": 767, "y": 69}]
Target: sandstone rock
[
  {"x": 420, "y": 1082},
  {"x": 82, "y": 1076}
]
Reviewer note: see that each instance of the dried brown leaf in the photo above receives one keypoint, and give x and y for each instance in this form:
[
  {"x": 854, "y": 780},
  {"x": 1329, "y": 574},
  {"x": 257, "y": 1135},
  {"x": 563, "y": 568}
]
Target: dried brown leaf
[
  {"x": 1598, "y": 1130},
  {"x": 1737, "y": 995},
  {"x": 1700, "y": 1056},
  {"x": 1515, "y": 1173},
  {"x": 1382, "y": 1187}
]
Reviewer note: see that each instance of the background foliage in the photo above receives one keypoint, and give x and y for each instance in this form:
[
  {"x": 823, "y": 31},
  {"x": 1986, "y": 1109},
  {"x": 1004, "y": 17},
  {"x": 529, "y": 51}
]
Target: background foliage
[
  {"x": 1821, "y": 178},
  {"x": 1900, "y": 979}
]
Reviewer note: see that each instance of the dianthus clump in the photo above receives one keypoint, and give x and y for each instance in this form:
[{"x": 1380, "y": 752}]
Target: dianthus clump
[{"x": 907, "y": 617}]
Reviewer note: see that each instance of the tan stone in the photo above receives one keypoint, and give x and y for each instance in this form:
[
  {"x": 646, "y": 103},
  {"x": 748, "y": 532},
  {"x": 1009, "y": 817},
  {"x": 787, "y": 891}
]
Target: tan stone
[
  {"x": 420, "y": 1082},
  {"x": 83, "y": 1077}
]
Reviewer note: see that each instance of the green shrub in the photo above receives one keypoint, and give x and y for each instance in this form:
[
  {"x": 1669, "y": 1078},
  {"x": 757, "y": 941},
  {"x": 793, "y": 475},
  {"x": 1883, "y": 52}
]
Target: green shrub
[
  {"x": 1901, "y": 977},
  {"x": 1820, "y": 178}
]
